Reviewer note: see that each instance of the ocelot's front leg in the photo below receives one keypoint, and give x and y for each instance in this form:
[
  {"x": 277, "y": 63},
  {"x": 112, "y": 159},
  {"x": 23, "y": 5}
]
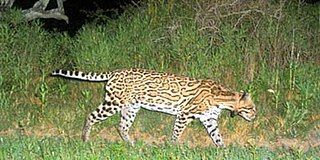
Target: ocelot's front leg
[{"x": 211, "y": 124}]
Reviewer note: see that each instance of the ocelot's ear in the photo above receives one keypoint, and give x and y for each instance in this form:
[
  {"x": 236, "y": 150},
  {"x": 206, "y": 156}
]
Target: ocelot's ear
[{"x": 244, "y": 96}]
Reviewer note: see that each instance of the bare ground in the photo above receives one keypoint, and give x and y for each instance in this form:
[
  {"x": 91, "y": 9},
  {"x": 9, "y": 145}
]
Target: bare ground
[{"x": 194, "y": 137}]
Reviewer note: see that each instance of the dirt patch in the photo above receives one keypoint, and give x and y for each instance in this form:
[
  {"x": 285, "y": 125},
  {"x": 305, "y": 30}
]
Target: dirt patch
[
  {"x": 194, "y": 137},
  {"x": 311, "y": 141}
]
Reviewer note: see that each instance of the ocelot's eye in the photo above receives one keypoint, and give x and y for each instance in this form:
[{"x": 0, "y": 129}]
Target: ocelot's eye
[{"x": 245, "y": 111}]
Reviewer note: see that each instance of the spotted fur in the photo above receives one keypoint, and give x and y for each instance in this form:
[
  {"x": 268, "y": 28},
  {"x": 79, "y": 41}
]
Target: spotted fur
[{"x": 128, "y": 90}]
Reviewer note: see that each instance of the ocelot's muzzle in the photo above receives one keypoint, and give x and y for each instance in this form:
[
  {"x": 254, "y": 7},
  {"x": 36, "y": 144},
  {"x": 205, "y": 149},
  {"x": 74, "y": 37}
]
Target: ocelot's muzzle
[{"x": 234, "y": 113}]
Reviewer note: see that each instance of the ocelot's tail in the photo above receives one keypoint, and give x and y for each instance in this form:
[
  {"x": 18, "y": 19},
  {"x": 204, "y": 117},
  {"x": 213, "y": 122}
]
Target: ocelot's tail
[{"x": 95, "y": 77}]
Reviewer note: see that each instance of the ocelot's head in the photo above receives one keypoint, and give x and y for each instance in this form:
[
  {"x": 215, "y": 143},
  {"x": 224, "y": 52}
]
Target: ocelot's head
[{"x": 244, "y": 107}]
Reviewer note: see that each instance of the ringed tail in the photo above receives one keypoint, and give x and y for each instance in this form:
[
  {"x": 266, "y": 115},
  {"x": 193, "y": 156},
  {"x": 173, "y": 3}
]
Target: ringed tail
[{"x": 90, "y": 76}]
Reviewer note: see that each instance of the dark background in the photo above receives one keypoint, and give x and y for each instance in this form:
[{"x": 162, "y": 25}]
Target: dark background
[
  {"x": 78, "y": 11},
  {"x": 82, "y": 11}
]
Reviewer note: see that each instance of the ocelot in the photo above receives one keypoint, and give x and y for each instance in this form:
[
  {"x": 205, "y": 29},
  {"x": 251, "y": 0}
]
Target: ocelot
[{"x": 127, "y": 90}]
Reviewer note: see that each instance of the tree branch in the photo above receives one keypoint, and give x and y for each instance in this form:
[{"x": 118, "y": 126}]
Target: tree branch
[
  {"x": 6, "y": 3},
  {"x": 38, "y": 10}
]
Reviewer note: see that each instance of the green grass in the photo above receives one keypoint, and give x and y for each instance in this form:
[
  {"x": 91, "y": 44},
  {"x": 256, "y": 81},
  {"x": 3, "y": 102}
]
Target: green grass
[
  {"x": 274, "y": 45},
  {"x": 21, "y": 147}
]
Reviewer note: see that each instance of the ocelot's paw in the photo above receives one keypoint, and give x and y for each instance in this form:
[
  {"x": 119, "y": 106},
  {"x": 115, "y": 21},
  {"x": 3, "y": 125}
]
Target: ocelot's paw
[
  {"x": 219, "y": 143},
  {"x": 132, "y": 143},
  {"x": 85, "y": 138}
]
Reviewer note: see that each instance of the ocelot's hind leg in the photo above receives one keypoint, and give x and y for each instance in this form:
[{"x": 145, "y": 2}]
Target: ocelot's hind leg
[
  {"x": 128, "y": 114},
  {"x": 104, "y": 111},
  {"x": 180, "y": 125}
]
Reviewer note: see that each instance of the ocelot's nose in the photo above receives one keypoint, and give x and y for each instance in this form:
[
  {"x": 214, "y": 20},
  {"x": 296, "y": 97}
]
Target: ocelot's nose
[{"x": 233, "y": 113}]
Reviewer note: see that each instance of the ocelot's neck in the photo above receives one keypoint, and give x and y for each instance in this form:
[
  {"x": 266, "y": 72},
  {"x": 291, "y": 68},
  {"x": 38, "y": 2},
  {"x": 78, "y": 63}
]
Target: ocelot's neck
[{"x": 228, "y": 100}]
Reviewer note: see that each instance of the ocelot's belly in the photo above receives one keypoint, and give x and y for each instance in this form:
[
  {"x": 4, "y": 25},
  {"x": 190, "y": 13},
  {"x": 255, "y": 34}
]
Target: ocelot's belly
[{"x": 159, "y": 108}]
